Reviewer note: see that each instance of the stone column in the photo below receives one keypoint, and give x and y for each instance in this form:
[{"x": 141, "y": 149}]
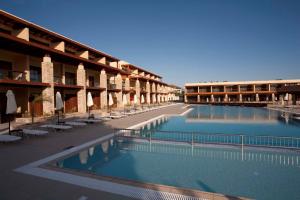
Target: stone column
[
  {"x": 138, "y": 90},
  {"x": 273, "y": 97},
  {"x": 118, "y": 81},
  {"x": 81, "y": 94},
  {"x": 127, "y": 87},
  {"x": 198, "y": 98},
  {"x": 47, "y": 77},
  {"x": 148, "y": 92},
  {"x": 103, "y": 84},
  {"x": 240, "y": 98}
]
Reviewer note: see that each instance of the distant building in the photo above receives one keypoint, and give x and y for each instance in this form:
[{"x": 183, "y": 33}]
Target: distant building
[{"x": 284, "y": 92}]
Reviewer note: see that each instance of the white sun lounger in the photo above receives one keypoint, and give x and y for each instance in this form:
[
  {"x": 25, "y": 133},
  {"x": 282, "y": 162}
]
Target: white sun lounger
[
  {"x": 75, "y": 123},
  {"x": 57, "y": 127},
  {"x": 34, "y": 132},
  {"x": 90, "y": 120},
  {"x": 9, "y": 138}
]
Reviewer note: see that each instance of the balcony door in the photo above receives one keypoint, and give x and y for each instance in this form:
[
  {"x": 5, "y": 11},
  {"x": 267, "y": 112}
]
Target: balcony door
[
  {"x": 36, "y": 107},
  {"x": 71, "y": 103},
  {"x": 5, "y": 70},
  {"x": 35, "y": 74}
]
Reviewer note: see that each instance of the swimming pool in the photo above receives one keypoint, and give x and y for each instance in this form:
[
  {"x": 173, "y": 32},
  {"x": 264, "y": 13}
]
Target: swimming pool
[
  {"x": 253, "y": 173},
  {"x": 259, "y": 173}
]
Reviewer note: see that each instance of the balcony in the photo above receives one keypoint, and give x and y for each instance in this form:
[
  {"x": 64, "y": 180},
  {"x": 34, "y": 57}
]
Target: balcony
[
  {"x": 112, "y": 86},
  {"x": 143, "y": 90},
  {"x": 13, "y": 77},
  {"x": 69, "y": 83}
]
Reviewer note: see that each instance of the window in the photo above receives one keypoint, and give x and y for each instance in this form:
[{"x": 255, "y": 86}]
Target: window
[
  {"x": 35, "y": 74},
  {"x": 91, "y": 81},
  {"x": 70, "y": 78}
]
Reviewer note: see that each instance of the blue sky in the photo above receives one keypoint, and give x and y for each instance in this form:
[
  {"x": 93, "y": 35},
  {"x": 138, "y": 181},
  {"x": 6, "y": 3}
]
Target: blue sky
[{"x": 184, "y": 41}]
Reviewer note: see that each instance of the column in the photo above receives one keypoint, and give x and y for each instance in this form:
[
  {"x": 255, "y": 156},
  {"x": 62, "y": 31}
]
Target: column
[
  {"x": 127, "y": 87},
  {"x": 148, "y": 92},
  {"x": 273, "y": 97},
  {"x": 198, "y": 98},
  {"x": 138, "y": 90},
  {"x": 47, "y": 77},
  {"x": 103, "y": 84},
  {"x": 81, "y": 94},
  {"x": 118, "y": 81},
  {"x": 240, "y": 98}
]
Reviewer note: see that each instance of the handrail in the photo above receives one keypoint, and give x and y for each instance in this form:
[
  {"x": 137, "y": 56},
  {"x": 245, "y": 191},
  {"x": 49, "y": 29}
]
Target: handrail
[{"x": 213, "y": 138}]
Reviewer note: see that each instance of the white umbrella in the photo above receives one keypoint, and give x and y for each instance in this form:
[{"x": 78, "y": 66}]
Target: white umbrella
[
  {"x": 286, "y": 97},
  {"x": 110, "y": 100},
  {"x": 59, "y": 104},
  {"x": 11, "y": 105},
  {"x": 125, "y": 102},
  {"x": 90, "y": 101},
  {"x": 135, "y": 100},
  {"x": 142, "y": 99}
]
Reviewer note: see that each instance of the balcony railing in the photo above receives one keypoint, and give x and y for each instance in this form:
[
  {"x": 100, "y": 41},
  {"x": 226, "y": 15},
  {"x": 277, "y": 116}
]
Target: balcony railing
[
  {"x": 70, "y": 81},
  {"x": 57, "y": 80},
  {"x": 143, "y": 89},
  {"x": 13, "y": 75},
  {"x": 111, "y": 86}
]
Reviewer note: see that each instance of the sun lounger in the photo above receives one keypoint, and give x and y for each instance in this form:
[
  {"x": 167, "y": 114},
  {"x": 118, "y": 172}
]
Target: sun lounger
[
  {"x": 34, "y": 132},
  {"x": 9, "y": 138},
  {"x": 75, "y": 123},
  {"x": 56, "y": 127},
  {"x": 89, "y": 120}
]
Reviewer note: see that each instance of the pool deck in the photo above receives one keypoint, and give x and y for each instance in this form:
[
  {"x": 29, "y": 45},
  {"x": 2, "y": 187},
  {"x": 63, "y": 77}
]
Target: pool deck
[{"x": 14, "y": 185}]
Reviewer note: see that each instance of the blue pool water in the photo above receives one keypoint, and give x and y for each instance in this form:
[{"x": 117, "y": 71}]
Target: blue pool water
[
  {"x": 247, "y": 172},
  {"x": 229, "y": 120}
]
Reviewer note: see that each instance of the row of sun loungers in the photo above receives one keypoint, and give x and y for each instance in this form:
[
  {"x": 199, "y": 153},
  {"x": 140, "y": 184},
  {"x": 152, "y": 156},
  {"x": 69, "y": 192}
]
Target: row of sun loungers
[{"x": 66, "y": 125}]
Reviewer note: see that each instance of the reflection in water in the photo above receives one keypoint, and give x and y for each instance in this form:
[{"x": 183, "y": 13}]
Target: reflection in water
[
  {"x": 104, "y": 146},
  {"x": 91, "y": 151},
  {"x": 155, "y": 125},
  {"x": 83, "y": 156},
  {"x": 270, "y": 157},
  {"x": 235, "y": 114}
]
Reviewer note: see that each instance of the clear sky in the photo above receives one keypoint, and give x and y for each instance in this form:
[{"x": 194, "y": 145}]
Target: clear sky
[{"x": 184, "y": 41}]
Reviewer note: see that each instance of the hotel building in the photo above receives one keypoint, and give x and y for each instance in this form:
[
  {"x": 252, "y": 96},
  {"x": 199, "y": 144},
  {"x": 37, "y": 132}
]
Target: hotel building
[
  {"x": 284, "y": 92},
  {"x": 37, "y": 62}
]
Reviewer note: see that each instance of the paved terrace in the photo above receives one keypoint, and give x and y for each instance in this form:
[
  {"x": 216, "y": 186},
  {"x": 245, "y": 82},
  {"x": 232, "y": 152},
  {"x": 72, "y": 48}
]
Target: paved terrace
[{"x": 19, "y": 186}]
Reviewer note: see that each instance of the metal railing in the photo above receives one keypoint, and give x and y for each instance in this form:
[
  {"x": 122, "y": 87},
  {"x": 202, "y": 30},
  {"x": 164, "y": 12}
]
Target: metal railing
[
  {"x": 13, "y": 75},
  {"x": 112, "y": 86},
  {"x": 213, "y": 138}
]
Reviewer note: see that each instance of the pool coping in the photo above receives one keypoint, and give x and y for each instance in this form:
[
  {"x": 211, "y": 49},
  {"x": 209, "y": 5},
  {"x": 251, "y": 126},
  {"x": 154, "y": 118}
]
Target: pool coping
[{"x": 37, "y": 168}]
